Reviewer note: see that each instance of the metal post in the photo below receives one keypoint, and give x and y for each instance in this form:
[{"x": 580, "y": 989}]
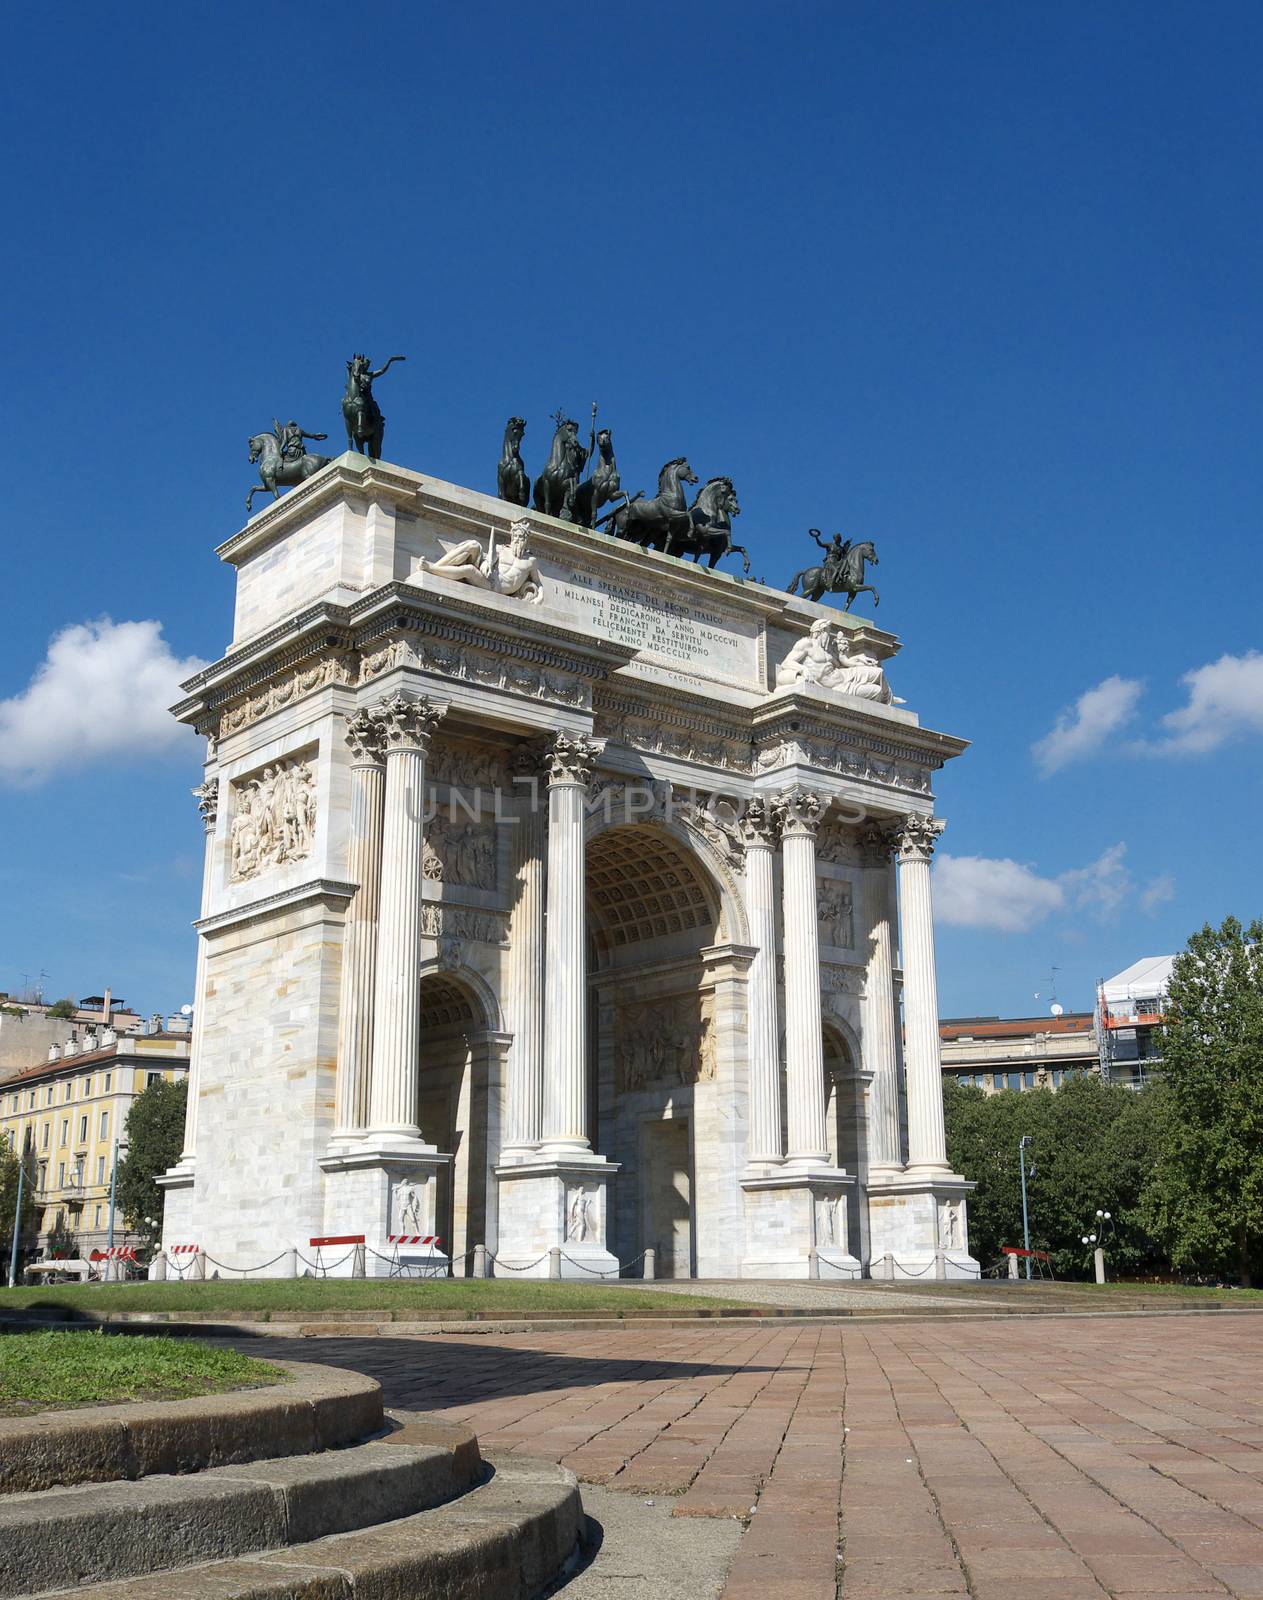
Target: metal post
[
  {"x": 1098, "y": 1260},
  {"x": 113, "y": 1191},
  {"x": 17, "y": 1223},
  {"x": 1026, "y": 1221}
]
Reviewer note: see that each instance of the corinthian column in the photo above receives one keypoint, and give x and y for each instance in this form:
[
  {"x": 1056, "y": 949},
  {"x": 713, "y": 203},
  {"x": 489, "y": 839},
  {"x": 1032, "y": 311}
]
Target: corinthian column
[
  {"x": 799, "y": 813},
  {"x": 927, "y": 1144},
  {"x": 881, "y": 1055},
  {"x": 407, "y": 726},
  {"x": 758, "y": 828},
  {"x": 526, "y": 963},
  {"x": 207, "y": 797},
  {"x": 366, "y": 736},
  {"x": 565, "y": 1121}
]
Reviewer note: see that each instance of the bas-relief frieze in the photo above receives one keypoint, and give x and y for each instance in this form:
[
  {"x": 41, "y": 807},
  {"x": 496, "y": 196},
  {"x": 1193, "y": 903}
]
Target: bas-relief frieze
[
  {"x": 465, "y": 665},
  {"x": 274, "y": 818},
  {"x": 463, "y": 923},
  {"x": 466, "y": 766},
  {"x": 285, "y": 690},
  {"x": 846, "y": 761},
  {"x": 459, "y": 853},
  {"x": 654, "y": 735},
  {"x": 664, "y": 1041},
  {"x": 835, "y": 911}
]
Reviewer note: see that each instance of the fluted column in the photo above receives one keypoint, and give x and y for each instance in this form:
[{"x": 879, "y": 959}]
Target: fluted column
[
  {"x": 759, "y": 833},
  {"x": 927, "y": 1143},
  {"x": 565, "y": 1121},
  {"x": 526, "y": 962},
  {"x": 808, "y": 1145},
  {"x": 207, "y": 797},
  {"x": 407, "y": 727},
  {"x": 366, "y": 736},
  {"x": 881, "y": 1044}
]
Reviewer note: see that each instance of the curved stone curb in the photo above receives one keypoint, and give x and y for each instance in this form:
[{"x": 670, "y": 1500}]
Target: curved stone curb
[
  {"x": 508, "y": 1539},
  {"x": 321, "y": 1406}
]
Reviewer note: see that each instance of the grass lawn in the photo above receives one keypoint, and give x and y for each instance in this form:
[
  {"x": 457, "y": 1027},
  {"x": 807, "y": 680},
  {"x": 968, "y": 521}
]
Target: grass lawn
[
  {"x": 263, "y": 1299},
  {"x": 55, "y": 1370}
]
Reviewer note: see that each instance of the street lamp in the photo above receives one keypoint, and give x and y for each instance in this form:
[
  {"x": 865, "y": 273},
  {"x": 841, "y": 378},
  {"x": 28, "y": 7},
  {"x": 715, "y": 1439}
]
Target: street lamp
[
  {"x": 1026, "y": 1221},
  {"x": 120, "y": 1148},
  {"x": 1097, "y": 1240}
]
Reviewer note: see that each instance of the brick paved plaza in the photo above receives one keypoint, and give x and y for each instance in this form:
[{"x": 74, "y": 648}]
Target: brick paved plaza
[{"x": 1069, "y": 1457}]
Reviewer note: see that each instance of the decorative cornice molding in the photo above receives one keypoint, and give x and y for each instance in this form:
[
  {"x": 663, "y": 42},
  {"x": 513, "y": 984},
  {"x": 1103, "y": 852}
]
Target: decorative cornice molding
[{"x": 285, "y": 900}]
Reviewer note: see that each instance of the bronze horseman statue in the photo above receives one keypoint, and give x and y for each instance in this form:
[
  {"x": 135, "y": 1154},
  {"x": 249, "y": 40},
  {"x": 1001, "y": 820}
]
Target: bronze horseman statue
[
  {"x": 283, "y": 459},
  {"x": 841, "y": 571},
  {"x": 365, "y": 424}
]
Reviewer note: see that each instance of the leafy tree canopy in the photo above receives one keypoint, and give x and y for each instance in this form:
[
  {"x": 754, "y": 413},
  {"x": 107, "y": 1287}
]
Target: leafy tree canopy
[
  {"x": 155, "y": 1137},
  {"x": 1205, "y": 1199},
  {"x": 62, "y": 1008}
]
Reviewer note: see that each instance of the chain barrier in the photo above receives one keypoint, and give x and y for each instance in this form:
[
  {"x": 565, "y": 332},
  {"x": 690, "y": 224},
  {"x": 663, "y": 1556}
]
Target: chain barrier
[
  {"x": 324, "y": 1268},
  {"x": 529, "y": 1267},
  {"x": 244, "y": 1271},
  {"x": 596, "y": 1271}
]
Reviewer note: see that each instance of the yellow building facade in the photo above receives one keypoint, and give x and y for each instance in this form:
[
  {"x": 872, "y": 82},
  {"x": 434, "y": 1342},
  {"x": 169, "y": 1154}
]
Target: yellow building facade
[{"x": 70, "y": 1111}]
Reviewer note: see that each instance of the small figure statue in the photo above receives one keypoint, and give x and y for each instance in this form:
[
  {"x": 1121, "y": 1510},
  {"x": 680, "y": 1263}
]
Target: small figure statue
[
  {"x": 512, "y": 483},
  {"x": 290, "y": 439},
  {"x": 556, "y": 486},
  {"x": 841, "y": 571},
  {"x": 408, "y": 1200},
  {"x": 604, "y": 483},
  {"x": 515, "y": 573},
  {"x": 579, "y": 1220},
  {"x": 365, "y": 424}
]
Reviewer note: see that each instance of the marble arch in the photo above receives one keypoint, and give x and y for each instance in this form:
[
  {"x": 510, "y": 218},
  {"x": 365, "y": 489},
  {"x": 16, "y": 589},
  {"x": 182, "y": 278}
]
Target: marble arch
[{"x": 333, "y": 1059}]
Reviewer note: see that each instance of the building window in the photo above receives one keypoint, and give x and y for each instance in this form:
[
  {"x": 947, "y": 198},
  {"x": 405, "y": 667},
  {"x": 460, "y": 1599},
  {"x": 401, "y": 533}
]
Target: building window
[
  {"x": 61, "y": 1174},
  {"x": 31, "y": 1101},
  {"x": 65, "y": 1130},
  {"x": 43, "y": 1176},
  {"x": 96, "y": 1220},
  {"x": 1028, "y": 1080},
  {"x": 86, "y": 1086},
  {"x": 48, "y": 1100},
  {"x": 108, "y": 1076},
  {"x": 83, "y": 1129},
  {"x": 151, "y": 1078},
  {"x": 47, "y": 1135},
  {"x": 105, "y": 1124},
  {"x": 100, "y": 1169},
  {"x": 13, "y": 1102},
  {"x": 67, "y": 1089}
]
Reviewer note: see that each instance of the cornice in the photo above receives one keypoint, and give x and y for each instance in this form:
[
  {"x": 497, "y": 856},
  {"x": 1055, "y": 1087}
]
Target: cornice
[{"x": 284, "y": 900}]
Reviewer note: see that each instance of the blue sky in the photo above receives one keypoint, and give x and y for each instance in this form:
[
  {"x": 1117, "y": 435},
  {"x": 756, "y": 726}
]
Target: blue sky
[{"x": 980, "y": 282}]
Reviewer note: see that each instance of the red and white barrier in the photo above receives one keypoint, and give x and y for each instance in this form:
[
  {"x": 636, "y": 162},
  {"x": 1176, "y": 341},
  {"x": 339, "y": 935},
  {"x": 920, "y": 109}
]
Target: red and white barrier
[
  {"x": 336, "y": 1255},
  {"x": 410, "y": 1255},
  {"x": 415, "y": 1238},
  {"x": 187, "y": 1261}
]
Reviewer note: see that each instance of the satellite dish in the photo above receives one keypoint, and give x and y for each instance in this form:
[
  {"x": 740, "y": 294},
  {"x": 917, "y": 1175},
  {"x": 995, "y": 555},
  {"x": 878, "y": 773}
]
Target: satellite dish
[
  {"x": 186, "y": 1011},
  {"x": 1056, "y": 1009}
]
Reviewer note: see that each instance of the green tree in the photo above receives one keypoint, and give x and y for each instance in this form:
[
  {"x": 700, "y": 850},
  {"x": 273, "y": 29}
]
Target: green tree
[
  {"x": 62, "y": 1243},
  {"x": 62, "y": 1008},
  {"x": 1092, "y": 1148},
  {"x": 9, "y": 1162},
  {"x": 155, "y": 1137},
  {"x": 1205, "y": 1197}
]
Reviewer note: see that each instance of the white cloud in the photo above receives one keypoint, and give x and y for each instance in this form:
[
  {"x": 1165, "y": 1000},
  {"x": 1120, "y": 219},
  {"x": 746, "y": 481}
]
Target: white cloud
[
  {"x": 985, "y": 892},
  {"x": 1084, "y": 727},
  {"x": 102, "y": 690},
  {"x": 1007, "y": 896},
  {"x": 1158, "y": 893},
  {"x": 1225, "y": 699}
]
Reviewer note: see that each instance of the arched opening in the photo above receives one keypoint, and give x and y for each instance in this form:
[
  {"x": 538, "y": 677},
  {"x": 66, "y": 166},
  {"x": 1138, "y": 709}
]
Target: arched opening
[
  {"x": 844, "y": 1119},
  {"x": 452, "y": 1108},
  {"x": 652, "y": 910}
]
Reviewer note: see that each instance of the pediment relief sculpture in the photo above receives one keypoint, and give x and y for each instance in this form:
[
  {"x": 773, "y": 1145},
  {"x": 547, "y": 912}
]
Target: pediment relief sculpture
[{"x": 509, "y": 570}]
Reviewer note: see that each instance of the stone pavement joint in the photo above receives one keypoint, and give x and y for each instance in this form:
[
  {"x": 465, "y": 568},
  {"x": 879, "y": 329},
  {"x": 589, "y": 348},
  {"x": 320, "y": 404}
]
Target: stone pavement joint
[{"x": 992, "y": 1460}]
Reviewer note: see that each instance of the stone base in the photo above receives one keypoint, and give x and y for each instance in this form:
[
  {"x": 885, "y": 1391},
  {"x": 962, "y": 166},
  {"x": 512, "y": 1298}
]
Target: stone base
[
  {"x": 177, "y": 1206},
  {"x": 547, "y": 1205},
  {"x": 377, "y": 1191},
  {"x": 918, "y": 1226},
  {"x": 796, "y": 1225}
]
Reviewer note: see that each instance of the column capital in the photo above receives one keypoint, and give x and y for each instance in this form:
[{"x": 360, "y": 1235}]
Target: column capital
[
  {"x": 406, "y": 723},
  {"x": 759, "y": 825},
  {"x": 365, "y": 732},
  {"x": 799, "y": 812},
  {"x": 915, "y": 837},
  {"x": 207, "y": 797},
  {"x": 570, "y": 758}
]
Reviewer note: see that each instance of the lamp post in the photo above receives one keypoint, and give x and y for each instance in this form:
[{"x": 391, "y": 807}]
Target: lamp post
[
  {"x": 17, "y": 1223},
  {"x": 1026, "y": 1221},
  {"x": 120, "y": 1148},
  {"x": 1097, "y": 1240}
]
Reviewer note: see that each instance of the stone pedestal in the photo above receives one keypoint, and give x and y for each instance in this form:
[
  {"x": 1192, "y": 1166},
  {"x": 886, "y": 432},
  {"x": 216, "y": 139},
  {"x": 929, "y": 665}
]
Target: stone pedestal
[
  {"x": 796, "y": 1226},
  {"x": 562, "y": 1204},
  {"x": 919, "y": 1227},
  {"x": 377, "y": 1192}
]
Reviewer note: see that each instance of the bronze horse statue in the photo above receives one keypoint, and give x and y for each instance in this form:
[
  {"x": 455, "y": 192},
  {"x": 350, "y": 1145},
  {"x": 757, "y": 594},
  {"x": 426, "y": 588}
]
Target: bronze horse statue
[
  {"x": 365, "y": 425},
  {"x": 512, "y": 483},
  {"x": 652, "y": 523},
  {"x": 556, "y": 485},
  {"x": 710, "y": 530},
  {"x": 601, "y": 487},
  {"x": 842, "y": 573},
  {"x": 279, "y": 472}
]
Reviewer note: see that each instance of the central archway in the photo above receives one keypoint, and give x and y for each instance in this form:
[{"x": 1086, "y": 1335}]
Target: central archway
[{"x": 653, "y": 909}]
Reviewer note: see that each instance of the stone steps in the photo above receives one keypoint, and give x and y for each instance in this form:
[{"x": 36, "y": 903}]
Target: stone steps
[
  {"x": 57, "y": 1538},
  {"x": 509, "y": 1538}
]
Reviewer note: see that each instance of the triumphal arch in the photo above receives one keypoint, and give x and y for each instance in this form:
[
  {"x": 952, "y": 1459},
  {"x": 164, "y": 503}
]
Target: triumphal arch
[{"x": 560, "y": 897}]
